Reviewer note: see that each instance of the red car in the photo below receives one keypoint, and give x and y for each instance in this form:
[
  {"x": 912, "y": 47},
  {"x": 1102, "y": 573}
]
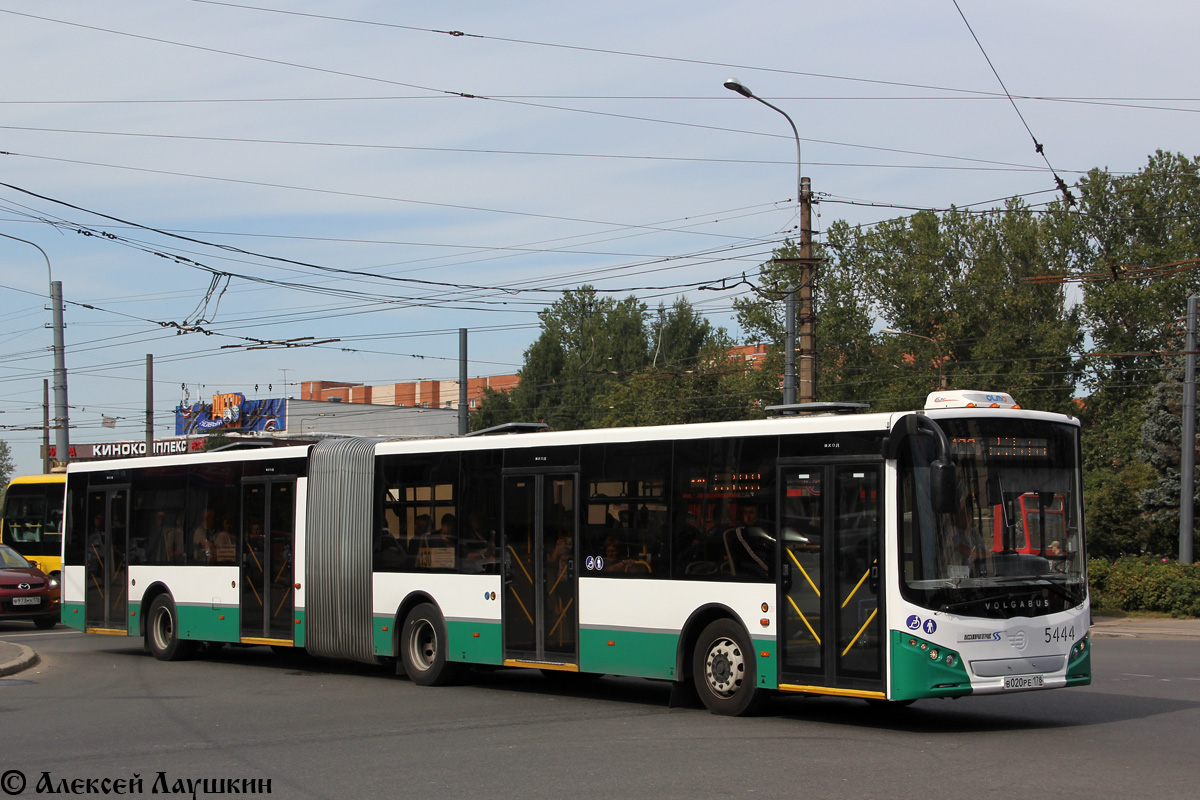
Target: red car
[{"x": 26, "y": 593}]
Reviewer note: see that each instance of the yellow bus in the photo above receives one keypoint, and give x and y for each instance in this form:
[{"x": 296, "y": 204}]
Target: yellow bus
[{"x": 32, "y": 519}]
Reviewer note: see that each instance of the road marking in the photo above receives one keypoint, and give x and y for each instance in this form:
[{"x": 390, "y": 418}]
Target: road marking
[{"x": 1136, "y": 675}]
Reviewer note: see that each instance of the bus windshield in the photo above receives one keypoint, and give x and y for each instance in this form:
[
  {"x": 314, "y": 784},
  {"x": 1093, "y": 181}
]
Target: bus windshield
[
  {"x": 33, "y": 518},
  {"x": 1010, "y": 543}
]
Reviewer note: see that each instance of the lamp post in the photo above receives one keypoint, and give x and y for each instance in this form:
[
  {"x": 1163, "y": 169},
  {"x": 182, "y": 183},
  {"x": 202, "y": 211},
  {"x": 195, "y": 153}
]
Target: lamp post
[
  {"x": 808, "y": 391},
  {"x": 62, "y": 442},
  {"x": 942, "y": 384}
]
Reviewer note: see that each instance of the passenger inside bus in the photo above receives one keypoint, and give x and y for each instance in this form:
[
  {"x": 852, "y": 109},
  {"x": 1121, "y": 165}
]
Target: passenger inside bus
[
  {"x": 447, "y": 534},
  {"x": 166, "y": 538},
  {"x": 202, "y": 546},
  {"x": 967, "y": 556},
  {"x": 421, "y": 525},
  {"x": 617, "y": 561},
  {"x": 477, "y": 544},
  {"x": 225, "y": 543}
]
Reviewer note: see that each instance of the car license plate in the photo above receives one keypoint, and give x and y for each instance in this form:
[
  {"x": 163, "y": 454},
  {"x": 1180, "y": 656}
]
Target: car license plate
[
  {"x": 1024, "y": 682},
  {"x": 27, "y": 601}
]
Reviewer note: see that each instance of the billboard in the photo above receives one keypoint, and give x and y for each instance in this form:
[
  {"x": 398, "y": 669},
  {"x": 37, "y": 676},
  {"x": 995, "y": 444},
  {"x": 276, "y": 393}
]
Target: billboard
[
  {"x": 161, "y": 447},
  {"x": 231, "y": 413}
]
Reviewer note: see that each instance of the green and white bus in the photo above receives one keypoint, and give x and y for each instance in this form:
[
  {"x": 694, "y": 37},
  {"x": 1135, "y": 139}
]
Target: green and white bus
[{"x": 822, "y": 553}]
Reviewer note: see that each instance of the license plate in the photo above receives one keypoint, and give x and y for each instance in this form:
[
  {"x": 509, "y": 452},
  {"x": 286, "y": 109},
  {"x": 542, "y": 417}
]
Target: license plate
[
  {"x": 27, "y": 601},
  {"x": 1024, "y": 682}
]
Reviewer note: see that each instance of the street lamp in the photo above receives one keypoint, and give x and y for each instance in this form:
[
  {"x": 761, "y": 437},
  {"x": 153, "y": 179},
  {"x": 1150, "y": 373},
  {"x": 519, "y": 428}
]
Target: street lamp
[
  {"x": 804, "y": 202},
  {"x": 62, "y": 442},
  {"x": 734, "y": 85},
  {"x": 941, "y": 358}
]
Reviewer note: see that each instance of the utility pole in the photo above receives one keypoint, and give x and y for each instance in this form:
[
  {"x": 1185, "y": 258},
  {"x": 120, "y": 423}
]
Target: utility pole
[
  {"x": 464, "y": 424},
  {"x": 149, "y": 404},
  {"x": 800, "y": 313},
  {"x": 62, "y": 425},
  {"x": 807, "y": 315},
  {"x": 1187, "y": 444},
  {"x": 45, "y": 425},
  {"x": 62, "y": 443}
]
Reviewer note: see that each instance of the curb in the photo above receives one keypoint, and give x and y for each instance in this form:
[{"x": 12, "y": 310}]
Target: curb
[
  {"x": 25, "y": 659},
  {"x": 1107, "y": 634}
]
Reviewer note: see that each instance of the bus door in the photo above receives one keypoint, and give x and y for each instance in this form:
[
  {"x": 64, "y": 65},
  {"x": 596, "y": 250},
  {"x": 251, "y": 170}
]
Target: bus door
[
  {"x": 268, "y": 541},
  {"x": 831, "y": 620},
  {"x": 106, "y": 596},
  {"x": 540, "y": 610}
]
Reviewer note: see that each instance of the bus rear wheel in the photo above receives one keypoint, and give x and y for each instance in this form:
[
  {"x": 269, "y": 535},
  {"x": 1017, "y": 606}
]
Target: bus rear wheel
[
  {"x": 423, "y": 648},
  {"x": 162, "y": 632},
  {"x": 724, "y": 670}
]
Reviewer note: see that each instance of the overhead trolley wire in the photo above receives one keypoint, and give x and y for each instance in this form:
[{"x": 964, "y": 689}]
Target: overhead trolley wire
[{"x": 473, "y": 96}]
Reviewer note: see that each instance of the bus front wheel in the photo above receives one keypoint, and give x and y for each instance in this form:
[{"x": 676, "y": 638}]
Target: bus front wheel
[
  {"x": 423, "y": 647},
  {"x": 724, "y": 670},
  {"x": 162, "y": 632}
]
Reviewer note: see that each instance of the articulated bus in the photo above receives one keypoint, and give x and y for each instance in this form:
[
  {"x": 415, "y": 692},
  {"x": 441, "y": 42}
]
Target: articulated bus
[
  {"x": 823, "y": 553},
  {"x": 32, "y": 519}
]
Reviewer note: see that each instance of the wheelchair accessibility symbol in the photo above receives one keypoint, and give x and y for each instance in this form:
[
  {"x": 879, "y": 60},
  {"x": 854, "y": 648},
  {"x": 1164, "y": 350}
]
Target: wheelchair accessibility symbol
[{"x": 914, "y": 622}]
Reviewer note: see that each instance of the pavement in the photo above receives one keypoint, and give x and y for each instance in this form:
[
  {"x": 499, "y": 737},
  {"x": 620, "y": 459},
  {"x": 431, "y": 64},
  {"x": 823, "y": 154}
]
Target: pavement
[
  {"x": 1144, "y": 628},
  {"x": 16, "y": 657}
]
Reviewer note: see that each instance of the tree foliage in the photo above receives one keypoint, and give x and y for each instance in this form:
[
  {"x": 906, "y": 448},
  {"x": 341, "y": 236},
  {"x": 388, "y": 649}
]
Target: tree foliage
[
  {"x": 1132, "y": 242},
  {"x": 6, "y": 464},
  {"x": 956, "y": 285},
  {"x": 1161, "y": 450},
  {"x": 691, "y": 377},
  {"x": 600, "y": 362}
]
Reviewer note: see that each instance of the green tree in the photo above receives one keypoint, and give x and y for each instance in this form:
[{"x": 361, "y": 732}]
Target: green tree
[
  {"x": 958, "y": 282},
  {"x": 215, "y": 441},
  {"x": 601, "y": 363},
  {"x": 962, "y": 280},
  {"x": 842, "y": 330},
  {"x": 6, "y": 464},
  {"x": 587, "y": 344},
  {"x": 1161, "y": 452},
  {"x": 1132, "y": 243},
  {"x": 691, "y": 376}
]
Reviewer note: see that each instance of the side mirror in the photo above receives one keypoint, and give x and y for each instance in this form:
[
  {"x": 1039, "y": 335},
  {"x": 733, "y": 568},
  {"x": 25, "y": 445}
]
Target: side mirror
[{"x": 943, "y": 485}]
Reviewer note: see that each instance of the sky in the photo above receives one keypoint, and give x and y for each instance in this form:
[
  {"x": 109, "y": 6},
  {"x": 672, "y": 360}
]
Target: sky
[{"x": 376, "y": 175}]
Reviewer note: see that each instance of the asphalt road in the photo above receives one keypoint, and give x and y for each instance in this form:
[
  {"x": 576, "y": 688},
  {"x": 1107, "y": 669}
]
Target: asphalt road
[{"x": 97, "y": 707}]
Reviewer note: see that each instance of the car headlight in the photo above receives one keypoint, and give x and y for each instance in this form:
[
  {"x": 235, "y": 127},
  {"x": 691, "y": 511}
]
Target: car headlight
[{"x": 54, "y": 583}]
